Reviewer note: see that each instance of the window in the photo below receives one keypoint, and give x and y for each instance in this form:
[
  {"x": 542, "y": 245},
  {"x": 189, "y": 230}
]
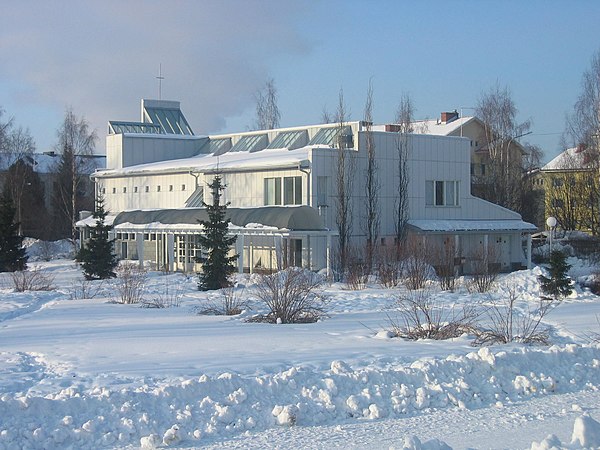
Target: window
[
  {"x": 135, "y": 189},
  {"x": 114, "y": 190},
  {"x": 273, "y": 191},
  {"x": 124, "y": 190},
  {"x": 442, "y": 193},
  {"x": 558, "y": 203},
  {"x": 183, "y": 187},
  {"x": 147, "y": 189},
  {"x": 158, "y": 188},
  {"x": 483, "y": 169},
  {"x": 321, "y": 191},
  {"x": 292, "y": 191},
  {"x": 556, "y": 182},
  {"x": 170, "y": 188}
]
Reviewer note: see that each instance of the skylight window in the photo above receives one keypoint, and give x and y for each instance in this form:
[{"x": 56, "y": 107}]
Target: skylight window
[
  {"x": 290, "y": 139},
  {"x": 328, "y": 136},
  {"x": 116, "y": 127},
  {"x": 250, "y": 143},
  {"x": 171, "y": 120},
  {"x": 216, "y": 146}
]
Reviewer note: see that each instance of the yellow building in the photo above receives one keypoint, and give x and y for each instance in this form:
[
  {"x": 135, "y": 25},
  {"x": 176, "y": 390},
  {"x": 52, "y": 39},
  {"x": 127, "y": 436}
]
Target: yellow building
[{"x": 571, "y": 188}]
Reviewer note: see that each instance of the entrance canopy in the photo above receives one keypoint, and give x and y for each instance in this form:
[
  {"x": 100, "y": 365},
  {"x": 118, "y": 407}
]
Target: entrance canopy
[
  {"x": 292, "y": 218},
  {"x": 471, "y": 226}
]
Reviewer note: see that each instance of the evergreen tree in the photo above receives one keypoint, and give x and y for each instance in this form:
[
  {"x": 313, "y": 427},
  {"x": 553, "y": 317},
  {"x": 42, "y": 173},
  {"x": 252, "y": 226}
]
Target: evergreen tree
[
  {"x": 12, "y": 252},
  {"x": 217, "y": 266},
  {"x": 96, "y": 255},
  {"x": 559, "y": 283}
]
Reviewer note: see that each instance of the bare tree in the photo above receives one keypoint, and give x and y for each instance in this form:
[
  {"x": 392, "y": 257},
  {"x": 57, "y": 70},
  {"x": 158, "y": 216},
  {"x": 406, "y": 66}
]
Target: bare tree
[
  {"x": 5, "y": 127},
  {"x": 326, "y": 116},
  {"x": 502, "y": 182},
  {"x": 404, "y": 119},
  {"x": 267, "y": 112},
  {"x": 344, "y": 177},
  {"x": 583, "y": 126},
  {"x": 75, "y": 142},
  {"x": 372, "y": 184}
]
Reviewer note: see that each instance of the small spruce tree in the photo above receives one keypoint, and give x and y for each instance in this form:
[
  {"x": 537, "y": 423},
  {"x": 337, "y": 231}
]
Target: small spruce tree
[
  {"x": 12, "y": 253},
  {"x": 217, "y": 266},
  {"x": 96, "y": 255},
  {"x": 558, "y": 284}
]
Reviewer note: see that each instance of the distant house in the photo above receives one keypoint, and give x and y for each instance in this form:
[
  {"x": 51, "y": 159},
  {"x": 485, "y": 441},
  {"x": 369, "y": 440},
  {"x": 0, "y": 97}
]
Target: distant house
[
  {"x": 450, "y": 123},
  {"x": 282, "y": 192},
  {"x": 571, "y": 187}
]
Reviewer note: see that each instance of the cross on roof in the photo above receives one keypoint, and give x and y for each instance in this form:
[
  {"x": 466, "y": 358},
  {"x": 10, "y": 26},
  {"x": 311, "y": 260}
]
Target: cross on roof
[{"x": 160, "y": 78}]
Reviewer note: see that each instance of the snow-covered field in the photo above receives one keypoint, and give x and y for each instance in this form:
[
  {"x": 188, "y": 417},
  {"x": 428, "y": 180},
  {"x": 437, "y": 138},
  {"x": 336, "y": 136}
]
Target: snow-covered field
[{"x": 91, "y": 373}]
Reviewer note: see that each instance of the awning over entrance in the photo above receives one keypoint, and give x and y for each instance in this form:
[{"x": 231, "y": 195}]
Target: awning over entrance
[
  {"x": 466, "y": 226},
  {"x": 297, "y": 218}
]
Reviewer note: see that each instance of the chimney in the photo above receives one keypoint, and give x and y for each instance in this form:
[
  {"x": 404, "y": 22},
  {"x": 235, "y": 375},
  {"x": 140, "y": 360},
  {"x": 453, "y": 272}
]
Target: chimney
[{"x": 448, "y": 117}]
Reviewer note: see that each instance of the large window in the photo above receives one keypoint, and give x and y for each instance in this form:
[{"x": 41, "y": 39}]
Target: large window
[
  {"x": 441, "y": 193},
  {"x": 292, "y": 191},
  {"x": 273, "y": 191},
  {"x": 290, "y": 186}
]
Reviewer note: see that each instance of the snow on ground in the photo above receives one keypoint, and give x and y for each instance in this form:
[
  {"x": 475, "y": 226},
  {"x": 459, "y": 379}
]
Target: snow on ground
[{"x": 91, "y": 373}]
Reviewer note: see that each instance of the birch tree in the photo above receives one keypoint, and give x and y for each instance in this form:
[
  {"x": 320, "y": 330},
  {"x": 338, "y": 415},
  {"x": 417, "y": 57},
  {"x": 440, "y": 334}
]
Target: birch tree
[
  {"x": 583, "y": 131},
  {"x": 75, "y": 142},
  {"x": 267, "y": 111},
  {"x": 502, "y": 182},
  {"x": 372, "y": 183}
]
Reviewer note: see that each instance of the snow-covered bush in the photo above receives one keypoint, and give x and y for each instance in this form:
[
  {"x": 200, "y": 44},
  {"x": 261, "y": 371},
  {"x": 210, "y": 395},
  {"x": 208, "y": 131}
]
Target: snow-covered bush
[
  {"x": 422, "y": 315},
  {"x": 292, "y": 296},
  {"x": 34, "y": 279},
  {"x": 130, "y": 283}
]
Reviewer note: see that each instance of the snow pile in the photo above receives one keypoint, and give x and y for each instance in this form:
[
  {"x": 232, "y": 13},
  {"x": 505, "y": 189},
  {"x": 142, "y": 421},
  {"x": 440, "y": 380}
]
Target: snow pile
[
  {"x": 586, "y": 435},
  {"x": 205, "y": 408},
  {"x": 38, "y": 250}
]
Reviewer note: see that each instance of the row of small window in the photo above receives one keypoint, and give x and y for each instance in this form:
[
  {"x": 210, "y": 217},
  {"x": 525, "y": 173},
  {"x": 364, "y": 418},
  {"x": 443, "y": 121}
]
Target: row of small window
[
  {"x": 474, "y": 169},
  {"x": 442, "y": 193},
  {"x": 146, "y": 189},
  {"x": 131, "y": 236},
  {"x": 291, "y": 187}
]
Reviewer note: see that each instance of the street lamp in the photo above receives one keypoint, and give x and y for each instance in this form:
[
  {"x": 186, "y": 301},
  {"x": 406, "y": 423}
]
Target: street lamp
[{"x": 551, "y": 222}]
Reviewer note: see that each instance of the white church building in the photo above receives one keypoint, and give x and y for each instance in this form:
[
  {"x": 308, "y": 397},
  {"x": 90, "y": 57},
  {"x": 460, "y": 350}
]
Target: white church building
[{"x": 281, "y": 186}]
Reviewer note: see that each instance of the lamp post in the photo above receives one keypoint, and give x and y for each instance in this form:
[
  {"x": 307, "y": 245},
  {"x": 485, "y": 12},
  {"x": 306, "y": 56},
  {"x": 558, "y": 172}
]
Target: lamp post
[{"x": 551, "y": 222}]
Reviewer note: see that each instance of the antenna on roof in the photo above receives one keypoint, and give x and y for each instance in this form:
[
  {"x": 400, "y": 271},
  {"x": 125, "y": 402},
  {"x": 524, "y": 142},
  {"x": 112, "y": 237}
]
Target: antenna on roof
[{"x": 160, "y": 78}]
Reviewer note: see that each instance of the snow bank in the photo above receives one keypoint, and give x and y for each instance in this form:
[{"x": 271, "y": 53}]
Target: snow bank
[
  {"x": 194, "y": 411},
  {"x": 586, "y": 435}
]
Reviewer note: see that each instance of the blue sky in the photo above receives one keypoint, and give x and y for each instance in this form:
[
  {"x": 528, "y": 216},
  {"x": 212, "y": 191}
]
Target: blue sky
[{"x": 101, "y": 58}]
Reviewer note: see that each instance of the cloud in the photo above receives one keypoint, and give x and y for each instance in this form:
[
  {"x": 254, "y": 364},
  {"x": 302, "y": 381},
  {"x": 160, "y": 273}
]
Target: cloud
[{"x": 101, "y": 58}]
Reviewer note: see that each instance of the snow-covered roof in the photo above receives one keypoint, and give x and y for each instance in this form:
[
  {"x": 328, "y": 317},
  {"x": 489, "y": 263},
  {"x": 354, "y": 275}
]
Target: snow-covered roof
[
  {"x": 571, "y": 159},
  {"x": 435, "y": 126},
  {"x": 471, "y": 225},
  {"x": 90, "y": 221},
  {"x": 227, "y": 161}
]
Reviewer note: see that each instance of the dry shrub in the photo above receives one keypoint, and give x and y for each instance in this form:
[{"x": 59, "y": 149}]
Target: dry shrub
[
  {"x": 443, "y": 259},
  {"x": 415, "y": 267},
  {"x": 508, "y": 325},
  {"x": 486, "y": 269},
  {"x": 85, "y": 289},
  {"x": 357, "y": 271},
  {"x": 130, "y": 283},
  {"x": 292, "y": 296},
  {"x": 389, "y": 269},
  {"x": 421, "y": 315},
  {"x": 169, "y": 298},
  {"x": 34, "y": 279},
  {"x": 229, "y": 302}
]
